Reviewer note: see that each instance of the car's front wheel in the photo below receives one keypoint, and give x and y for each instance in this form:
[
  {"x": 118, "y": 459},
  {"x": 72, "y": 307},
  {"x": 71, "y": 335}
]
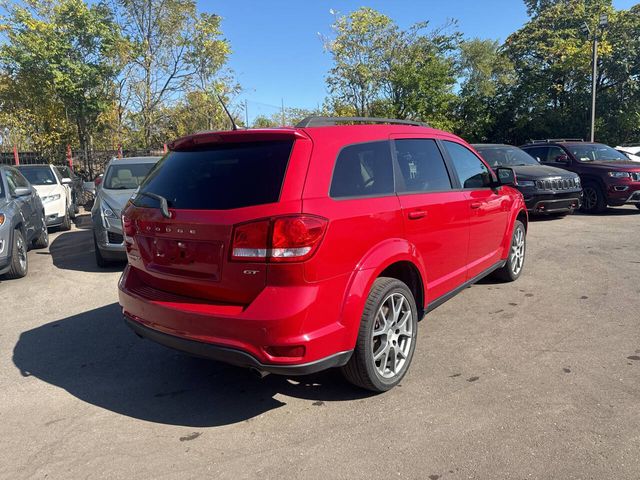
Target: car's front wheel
[
  {"x": 386, "y": 339},
  {"x": 66, "y": 222},
  {"x": 19, "y": 262},
  {"x": 517, "y": 250},
  {"x": 593, "y": 198}
]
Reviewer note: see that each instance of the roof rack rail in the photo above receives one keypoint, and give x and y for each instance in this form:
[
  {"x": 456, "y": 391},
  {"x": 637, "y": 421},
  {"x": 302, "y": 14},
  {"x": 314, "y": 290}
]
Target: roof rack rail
[
  {"x": 557, "y": 140},
  {"x": 319, "y": 121}
]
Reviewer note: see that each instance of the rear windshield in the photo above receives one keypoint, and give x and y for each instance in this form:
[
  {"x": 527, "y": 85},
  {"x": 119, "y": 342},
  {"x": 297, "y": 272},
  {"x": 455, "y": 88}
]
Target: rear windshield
[
  {"x": 127, "y": 176},
  {"x": 221, "y": 177}
]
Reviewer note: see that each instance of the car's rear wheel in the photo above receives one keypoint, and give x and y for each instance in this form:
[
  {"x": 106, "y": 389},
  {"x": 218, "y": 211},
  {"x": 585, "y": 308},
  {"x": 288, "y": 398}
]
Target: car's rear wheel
[
  {"x": 386, "y": 339},
  {"x": 19, "y": 262},
  {"x": 593, "y": 200},
  {"x": 43, "y": 239},
  {"x": 517, "y": 251}
]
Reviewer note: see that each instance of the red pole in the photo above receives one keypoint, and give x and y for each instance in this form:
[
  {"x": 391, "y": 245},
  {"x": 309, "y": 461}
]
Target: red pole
[
  {"x": 120, "y": 151},
  {"x": 16, "y": 157},
  {"x": 69, "y": 157},
  {"x": 164, "y": 150}
]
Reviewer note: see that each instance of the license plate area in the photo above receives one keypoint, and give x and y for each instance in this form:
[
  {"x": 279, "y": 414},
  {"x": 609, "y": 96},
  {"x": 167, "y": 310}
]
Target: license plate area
[{"x": 190, "y": 258}]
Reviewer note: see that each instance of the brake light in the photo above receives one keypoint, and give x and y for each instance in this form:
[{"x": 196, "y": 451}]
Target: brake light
[
  {"x": 296, "y": 237},
  {"x": 250, "y": 241},
  {"x": 281, "y": 239}
]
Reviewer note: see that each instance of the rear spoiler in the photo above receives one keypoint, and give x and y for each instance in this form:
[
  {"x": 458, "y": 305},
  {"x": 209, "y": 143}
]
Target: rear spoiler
[{"x": 235, "y": 136}]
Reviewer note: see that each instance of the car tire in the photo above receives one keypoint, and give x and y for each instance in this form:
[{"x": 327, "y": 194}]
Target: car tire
[
  {"x": 100, "y": 260},
  {"x": 512, "y": 270},
  {"x": 593, "y": 198},
  {"x": 43, "y": 239},
  {"x": 66, "y": 223},
  {"x": 19, "y": 261},
  {"x": 383, "y": 352}
]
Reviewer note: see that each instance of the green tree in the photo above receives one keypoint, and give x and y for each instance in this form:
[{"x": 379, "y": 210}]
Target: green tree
[
  {"x": 174, "y": 50},
  {"x": 58, "y": 64},
  {"x": 380, "y": 69},
  {"x": 486, "y": 76},
  {"x": 551, "y": 54}
]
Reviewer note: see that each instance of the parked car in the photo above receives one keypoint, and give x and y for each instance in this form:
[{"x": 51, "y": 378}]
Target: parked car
[
  {"x": 76, "y": 185},
  {"x": 55, "y": 192},
  {"x": 295, "y": 250},
  {"x": 546, "y": 189},
  {"x": 121, "y": 178},
  {"x": 630, "y": 156},
  {"x": 22, "y": 222},
  {"x": 632, "y": 149},
  {"x": 607, "y": 176}
]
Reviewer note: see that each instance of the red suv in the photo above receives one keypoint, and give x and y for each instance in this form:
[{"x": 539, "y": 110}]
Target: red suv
[{"x": 295, "y": 250}]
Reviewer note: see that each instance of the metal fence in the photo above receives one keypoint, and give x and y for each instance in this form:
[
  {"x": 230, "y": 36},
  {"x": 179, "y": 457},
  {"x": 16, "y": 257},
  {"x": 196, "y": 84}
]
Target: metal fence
[{"x": 87, "y": 166}]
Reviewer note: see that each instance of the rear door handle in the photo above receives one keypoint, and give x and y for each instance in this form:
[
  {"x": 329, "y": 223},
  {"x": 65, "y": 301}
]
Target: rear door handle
[
  {"x": 417, "y": 214},
  {"x": 476, "y": 205}
]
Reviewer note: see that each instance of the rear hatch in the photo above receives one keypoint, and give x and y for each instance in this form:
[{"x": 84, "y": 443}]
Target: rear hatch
[{"x": 211, "y": 183}]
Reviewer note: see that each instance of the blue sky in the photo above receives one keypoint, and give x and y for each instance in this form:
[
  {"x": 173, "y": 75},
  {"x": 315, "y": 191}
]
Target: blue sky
[{"x": 278, "y": 54}]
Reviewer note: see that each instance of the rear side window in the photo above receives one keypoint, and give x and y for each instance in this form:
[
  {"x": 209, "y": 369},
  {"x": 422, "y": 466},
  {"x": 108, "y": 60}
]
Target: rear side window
[
  {"x": 364, "y": 169},
  {"x": 422, "y": 166},
  {"x": 472, "y": 172},
  {"x": 220, "y": 177}
]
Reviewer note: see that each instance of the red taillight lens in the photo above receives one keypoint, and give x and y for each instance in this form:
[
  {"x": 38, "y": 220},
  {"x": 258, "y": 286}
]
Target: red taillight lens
[
  {"x": 295, "y": 238},
  {"x": 282, "y": 239},
  {"x": 250, "y": 241}
]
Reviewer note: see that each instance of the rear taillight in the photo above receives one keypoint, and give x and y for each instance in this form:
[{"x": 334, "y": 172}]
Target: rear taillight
[
  {"x": 281, "y": 239},
  {"x": 250, "y": 241}
]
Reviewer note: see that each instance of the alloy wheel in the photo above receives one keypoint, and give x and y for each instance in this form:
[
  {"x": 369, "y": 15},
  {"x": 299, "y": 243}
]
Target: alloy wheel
[
  {"x": 516, "y": 257},
  {"x": 392, "y": 335},
  {"x": 590, "y": 198},
  {"x": 22, "y": 252}
]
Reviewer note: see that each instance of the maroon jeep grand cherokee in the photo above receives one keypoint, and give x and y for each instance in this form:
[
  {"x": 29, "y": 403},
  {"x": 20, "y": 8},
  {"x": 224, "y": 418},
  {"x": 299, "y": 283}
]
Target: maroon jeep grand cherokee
[{"x": 607, "y": 176}]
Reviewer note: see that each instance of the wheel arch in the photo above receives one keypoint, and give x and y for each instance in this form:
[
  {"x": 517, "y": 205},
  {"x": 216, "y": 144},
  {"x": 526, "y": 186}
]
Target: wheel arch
[{"x": 395, "y": 258}]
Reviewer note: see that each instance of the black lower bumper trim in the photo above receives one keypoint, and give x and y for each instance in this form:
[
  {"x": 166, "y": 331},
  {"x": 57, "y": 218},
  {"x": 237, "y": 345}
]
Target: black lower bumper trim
[{"x": 233, "y": 356}]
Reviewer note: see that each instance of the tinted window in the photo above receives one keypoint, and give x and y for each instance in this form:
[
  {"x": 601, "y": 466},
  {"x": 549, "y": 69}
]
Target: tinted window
[
  {"x": 221, "y": 177},
  {"x": 539, "y": 153},
  {"x": 506, "y": 156},
  {"x": 362, "y": 170},
  {"x": 472, "y": 173},
  {"x": 422, "y": 166},
  {"x": 2, "y": 194},
  {"x": 41, "y": 175},
  {"x": 18, "y": 178},
  {"x": 127, "y": 176},
  {"x": 553, "y": 153}
]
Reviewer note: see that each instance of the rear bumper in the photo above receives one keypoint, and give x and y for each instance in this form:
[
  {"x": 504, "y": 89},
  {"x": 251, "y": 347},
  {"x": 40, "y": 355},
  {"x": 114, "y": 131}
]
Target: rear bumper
[
  {"x": 234, "y": 356},
  {"x": 279, "y": 318}
]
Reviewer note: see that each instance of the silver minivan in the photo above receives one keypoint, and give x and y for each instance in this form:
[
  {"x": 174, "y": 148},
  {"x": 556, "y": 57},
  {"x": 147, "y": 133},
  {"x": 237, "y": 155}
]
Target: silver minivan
[{"x": 121, "y": 179}]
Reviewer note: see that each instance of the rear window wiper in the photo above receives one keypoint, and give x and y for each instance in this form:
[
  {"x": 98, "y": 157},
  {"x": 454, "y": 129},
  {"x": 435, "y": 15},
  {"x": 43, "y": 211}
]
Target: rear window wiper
[{"x": 164, "y": 205}]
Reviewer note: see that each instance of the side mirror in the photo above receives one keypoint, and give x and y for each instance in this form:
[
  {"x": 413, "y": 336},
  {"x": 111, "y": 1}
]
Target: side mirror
[
  {"x": 66, "y": 181},
  {"x": 562, "y": 159},
  {"x": 506, "y": 176},
  {"x": 22, "y": 192}
]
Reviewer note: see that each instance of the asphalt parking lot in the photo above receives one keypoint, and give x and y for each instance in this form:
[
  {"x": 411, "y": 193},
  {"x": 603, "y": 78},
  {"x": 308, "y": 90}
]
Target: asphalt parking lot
[{"x": 535, "y": 379}]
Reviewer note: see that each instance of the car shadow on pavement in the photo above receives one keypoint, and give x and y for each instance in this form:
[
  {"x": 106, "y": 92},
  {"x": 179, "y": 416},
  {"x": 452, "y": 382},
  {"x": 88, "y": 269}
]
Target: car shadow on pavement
[
  {"x": 95, "y": 357},
  {"x": 74, "y": 250}
]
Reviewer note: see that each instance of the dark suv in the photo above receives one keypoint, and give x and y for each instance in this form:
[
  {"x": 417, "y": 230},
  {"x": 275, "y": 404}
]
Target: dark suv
[
  {"x": 608, "y": 177},
  {"x": 546, "y": 189},
  {"x": 294, "y": 250}
]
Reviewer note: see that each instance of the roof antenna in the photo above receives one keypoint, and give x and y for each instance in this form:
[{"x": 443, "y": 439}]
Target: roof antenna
[{"x": 233, "y": 123}]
